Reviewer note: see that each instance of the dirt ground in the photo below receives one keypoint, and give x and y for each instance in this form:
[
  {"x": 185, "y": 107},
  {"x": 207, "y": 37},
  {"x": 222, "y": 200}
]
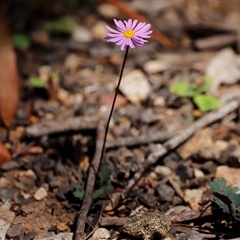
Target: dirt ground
[{"x": 162, "y": 149}]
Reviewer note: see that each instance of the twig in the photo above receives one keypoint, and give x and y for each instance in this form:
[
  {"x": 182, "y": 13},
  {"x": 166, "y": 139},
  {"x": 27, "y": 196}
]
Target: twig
[
  {"x": 95, "y": 221},
  {"x": 179, "y": 139},
  {"x": 90, "y": 123},
  {"x": 87, "y": 200},
  {"x": 60, "y": 126},
  {"x": 142, "y": 139}
]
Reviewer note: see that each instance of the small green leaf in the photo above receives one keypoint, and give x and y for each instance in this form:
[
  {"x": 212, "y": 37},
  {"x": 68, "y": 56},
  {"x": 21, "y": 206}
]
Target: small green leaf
[
  {"x": 78, "y": 194},
  {"x": 208, "y": 80},
  {"x": 218, "y": 185},
  {"x": 104, "y": 174},
  {"x": 21, "y": 41},
  {"x": 37, "y": 82},
  {"x": 226, "y": 197},
  {"x": 102, "y": 192},
  {"x": 78, "y": 190},
  {"x": 207, "y": 102},
  {"x": 206, "y": 85},
  {"x": 62, "y": 25},
  {"x": 183, "y": 89}
]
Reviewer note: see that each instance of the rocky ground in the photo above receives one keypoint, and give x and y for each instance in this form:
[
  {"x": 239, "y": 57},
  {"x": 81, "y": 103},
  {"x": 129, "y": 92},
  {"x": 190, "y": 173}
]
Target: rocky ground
[{"x": 163, "y": 147}]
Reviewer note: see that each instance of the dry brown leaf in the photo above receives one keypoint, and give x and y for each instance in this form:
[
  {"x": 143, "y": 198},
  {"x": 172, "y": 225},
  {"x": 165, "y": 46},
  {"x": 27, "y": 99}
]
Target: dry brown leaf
[
  {"x": 9, "y": 78},
  {"x": 4, "y": 155}
]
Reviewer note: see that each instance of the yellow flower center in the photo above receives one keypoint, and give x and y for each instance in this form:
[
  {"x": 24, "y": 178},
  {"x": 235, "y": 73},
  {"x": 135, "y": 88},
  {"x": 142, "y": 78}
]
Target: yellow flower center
[{"x": 128, "y": 33}]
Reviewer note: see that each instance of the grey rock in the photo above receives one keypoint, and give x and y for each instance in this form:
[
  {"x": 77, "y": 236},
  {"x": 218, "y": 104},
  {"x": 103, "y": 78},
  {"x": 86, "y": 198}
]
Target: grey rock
[
  {"x": 148, "y": 199},
  {"x": 5, "y": 194},
  {"x": 60, "y": 169},
  {"x": 30, "y": 235},
  {"x": 16, "y": 231},
  {"x": 193, "y": 235},
  {"x": 165, "y": 192},
  {"x": 9, "y": 166},
  {"x": 209, "y": 167}
]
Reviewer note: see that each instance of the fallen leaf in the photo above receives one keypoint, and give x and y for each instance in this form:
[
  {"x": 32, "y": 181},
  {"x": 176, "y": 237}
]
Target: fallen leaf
[
  {"x": 4, "y": 154},
  {"x": 9, "y": 78}
]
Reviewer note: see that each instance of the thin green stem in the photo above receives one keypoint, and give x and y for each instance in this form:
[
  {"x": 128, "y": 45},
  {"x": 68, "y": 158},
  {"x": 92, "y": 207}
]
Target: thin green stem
[{"x": 112, "y": 107}]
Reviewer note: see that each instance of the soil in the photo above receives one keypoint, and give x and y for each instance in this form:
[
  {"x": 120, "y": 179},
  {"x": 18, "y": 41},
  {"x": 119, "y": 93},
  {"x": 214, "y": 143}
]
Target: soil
[{"x": 55, "y": 134}]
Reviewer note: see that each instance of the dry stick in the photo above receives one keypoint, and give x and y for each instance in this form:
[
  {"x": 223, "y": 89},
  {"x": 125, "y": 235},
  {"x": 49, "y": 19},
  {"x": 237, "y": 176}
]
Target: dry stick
[
  {"x": 177, "y": 140},
  {"x": 60, "y": 126},
  {"x": 87, "y": 200},
  {"x": 142, "y": 139},
  {"x": 90, "y": 123}
]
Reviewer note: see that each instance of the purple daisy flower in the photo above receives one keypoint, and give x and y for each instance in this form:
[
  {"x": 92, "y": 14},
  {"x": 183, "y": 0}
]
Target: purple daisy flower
[{"x": 129, "y": 33}]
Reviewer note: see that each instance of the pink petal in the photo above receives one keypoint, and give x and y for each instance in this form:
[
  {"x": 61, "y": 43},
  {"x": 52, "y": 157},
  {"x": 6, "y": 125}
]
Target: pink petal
[
  {"x": 144, "y": 35},
  {"x": 123, "y": 45},
  {"x": 107, "y": 38},
  {"x": 139, "y": 26},
  {"x": 116, "y": 39},
  {"x": 120, "y": 41},
  {"x": 130, "y": 43},
  {"x": 137, "y": 42},
  {"x": 114, "y": 34},
  {"x": 128, "y": 23},
  {"x": 134, "y": 24},
  {"x": 120, "y": 25},
  {"x": 144, "y": 29},
  {"x": 111, "y": 30}
]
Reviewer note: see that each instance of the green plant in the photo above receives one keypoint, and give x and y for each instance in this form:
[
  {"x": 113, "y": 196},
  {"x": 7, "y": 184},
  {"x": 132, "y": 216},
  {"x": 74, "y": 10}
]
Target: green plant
[
  {"x": 226, "y": 197},
  {"x": 62, "y": 25},
  {"x": 205, "y": 102},
  {"x": 37, "y": 82},
  {"x": 20, "y": 41},
  {"x": 104, "y": 183}
]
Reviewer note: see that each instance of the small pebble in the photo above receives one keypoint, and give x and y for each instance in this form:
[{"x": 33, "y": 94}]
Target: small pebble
[
  {"x": 99, "y": 30},
  {"x": 30, "y": 235},
  {"x": 148, "y": 200},
  {"x": 163, "y": 170},
  {"x": 108, "y": 10},
  {"x": 53, "y": 181},
  {"x": 193, "y": 196},
  {"x": 62, "y": 227},
  {"x": 101, "y": 234},
  {"x": 29, "y": 174},
  {"x": 198, "y": 173},
  {"x": 155, "y": 66},
  {"x": 231, "y": 175},
  {"x": 40, "y": 194},
  {"x": 4, "y": 182},
  {"x": 193, "y": 235},
  {"x": 9, "y": 166},
  {"x": 165, "y": 192},
  {"x": 60, "y": 169},
  {"x": 15, "y": 231},
  {"x": 5, "y": 194},
  {"x": 82, "y": 35},
  {"x": 135, "y": 86},
  {"x": 209, "y": 167}
]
